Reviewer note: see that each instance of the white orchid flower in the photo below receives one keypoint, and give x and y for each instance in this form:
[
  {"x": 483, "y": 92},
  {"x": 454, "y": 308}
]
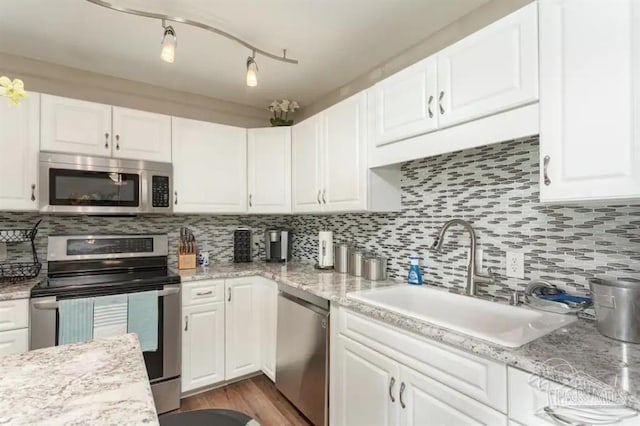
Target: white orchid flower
[
  {"x": 12, "y": 90},
  {"x": 284, "y": 104},
  {"x": 294, "y": 106}
]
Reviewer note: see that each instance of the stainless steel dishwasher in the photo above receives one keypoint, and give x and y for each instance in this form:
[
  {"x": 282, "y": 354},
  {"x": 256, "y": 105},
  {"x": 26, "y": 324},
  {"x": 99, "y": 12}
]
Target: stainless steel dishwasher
[{"x": 302, "y": 354}]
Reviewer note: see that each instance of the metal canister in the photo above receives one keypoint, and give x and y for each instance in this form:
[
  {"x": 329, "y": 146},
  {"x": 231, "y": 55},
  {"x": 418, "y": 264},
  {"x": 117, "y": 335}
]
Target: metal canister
[
  {"x": 355, "y": 261},
  {"x": 374, "y": 268},
  {"x": 341, "y": 257},
  {"x": 617, "y": 306}
]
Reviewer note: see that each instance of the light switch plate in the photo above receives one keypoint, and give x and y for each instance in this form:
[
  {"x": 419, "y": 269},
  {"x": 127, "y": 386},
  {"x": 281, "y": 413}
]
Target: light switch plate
[
  {"x": 3, "y": 252},
  {"x": 515, "y": 264}
]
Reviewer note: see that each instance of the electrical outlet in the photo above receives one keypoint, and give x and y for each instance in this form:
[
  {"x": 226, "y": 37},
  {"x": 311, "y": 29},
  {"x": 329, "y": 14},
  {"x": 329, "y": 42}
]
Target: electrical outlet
[
  {"x": 515, "y": 264},
  {"x": 3, "y": 251}
]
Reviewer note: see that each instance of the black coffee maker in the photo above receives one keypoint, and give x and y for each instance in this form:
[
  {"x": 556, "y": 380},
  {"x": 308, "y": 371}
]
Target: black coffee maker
[{"x": 277, "y": 245}]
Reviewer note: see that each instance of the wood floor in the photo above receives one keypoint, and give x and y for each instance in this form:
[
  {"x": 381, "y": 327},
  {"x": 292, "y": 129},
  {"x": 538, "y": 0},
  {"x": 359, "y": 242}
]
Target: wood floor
[{"x": 256, "y": 397}]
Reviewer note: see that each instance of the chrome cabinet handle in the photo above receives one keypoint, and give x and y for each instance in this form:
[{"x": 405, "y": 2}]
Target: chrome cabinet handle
[
  {"x": 206, "y": 293},
  {"x": 429, "y": 106},
  {"x": 318, "y": 197},
  {"x": 391, "y": 384},
  {"x": 229, "y": 299},
  {"x": 106, "y": 140},
  {"x": 324, "y": 193},
  {"x": 175, "y": 196},
  {"x": 547, "y": 181},
  {"x": 186, "y": 322},
  {"x": 33, "y": 192},
  {"x": 402, "y": 388},
  {"x": 440, "y": 102},
  {"x": 117, "y": 141},
  {"x": 250, "y": 202}
]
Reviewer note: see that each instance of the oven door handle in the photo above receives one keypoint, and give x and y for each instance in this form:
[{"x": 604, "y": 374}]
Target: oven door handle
[{"x": 54, "y": 304}]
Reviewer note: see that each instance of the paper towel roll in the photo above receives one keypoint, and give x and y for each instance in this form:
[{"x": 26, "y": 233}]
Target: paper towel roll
[{"x": 325, "y": 249}]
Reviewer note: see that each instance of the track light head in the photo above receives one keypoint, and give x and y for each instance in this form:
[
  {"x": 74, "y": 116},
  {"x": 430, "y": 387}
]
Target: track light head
[
  {"x": 252, "y": 71},
  {"x": 169, "y": 43}
]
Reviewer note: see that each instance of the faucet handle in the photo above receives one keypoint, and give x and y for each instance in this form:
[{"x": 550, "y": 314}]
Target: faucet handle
[{"x": 517, "y": 298}]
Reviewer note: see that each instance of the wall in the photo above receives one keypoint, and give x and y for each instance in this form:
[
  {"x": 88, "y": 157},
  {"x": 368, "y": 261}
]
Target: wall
[
  {"x": 496, "y": 188},
  {"x": 45, "y": 77},
  {"x": 479, "y": 18}
]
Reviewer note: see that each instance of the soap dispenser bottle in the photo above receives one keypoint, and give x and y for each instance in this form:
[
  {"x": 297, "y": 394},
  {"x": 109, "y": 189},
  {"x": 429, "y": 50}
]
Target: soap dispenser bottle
[{"x": 415, "y": 275}]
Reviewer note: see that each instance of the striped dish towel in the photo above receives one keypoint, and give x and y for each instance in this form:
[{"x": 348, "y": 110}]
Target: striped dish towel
[{"x": 110, "y": 316}]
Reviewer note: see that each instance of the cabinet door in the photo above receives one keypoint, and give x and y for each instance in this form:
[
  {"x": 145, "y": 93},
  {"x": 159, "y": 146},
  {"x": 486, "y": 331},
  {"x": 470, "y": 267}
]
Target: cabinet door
[
  {"x": 367, "y": 386},
  {"x": 14, "y": 341},
  {"x": 405, "y": 104},
  {"x": 75, "y": 127},
  {"x": 306, "y": 165},
  {"x": 202, "y": 345},
  {"x": 141, "y": 135},
  {"x": 426, "y": 401},
  {"x": 344, "y": 148},
  {"x": 268, "y": 327},
  {"x": 589, "y": 100},
  {"x": 269, "y": 163},
  {"x": 242, "y": 327},
  {"x": 209, "y": 167},
  {"x": 490, "y": 71},
  {"x": 19, "y": 145}
]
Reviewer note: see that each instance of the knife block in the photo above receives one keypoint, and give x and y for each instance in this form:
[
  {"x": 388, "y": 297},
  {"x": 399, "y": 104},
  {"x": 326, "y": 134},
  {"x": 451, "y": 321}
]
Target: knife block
[{"x": 186, "y": 260}]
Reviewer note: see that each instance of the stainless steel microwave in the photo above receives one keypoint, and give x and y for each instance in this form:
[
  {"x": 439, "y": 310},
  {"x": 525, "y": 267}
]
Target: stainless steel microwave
[{"x": 99, "y": 185}]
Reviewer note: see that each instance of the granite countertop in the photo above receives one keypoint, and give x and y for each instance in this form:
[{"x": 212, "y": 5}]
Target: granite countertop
[
  {"x": 19, "y": 289},
  {"x": 612, "y": 362},
  {"x": 99, "y": 382}
]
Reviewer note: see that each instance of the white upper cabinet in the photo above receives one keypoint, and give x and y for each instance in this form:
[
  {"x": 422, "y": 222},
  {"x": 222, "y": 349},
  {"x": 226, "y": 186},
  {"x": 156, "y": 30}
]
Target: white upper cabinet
[
  {"x": 141, "y": 135},
  {"x": 589, "y": 100},
  {"x": 209, "y": 167},
  {"x": 269, "y": 170},
  {"x": 492, "y": 70},
  {"x": 19, "y": 141},
  {"x": 405, "y": 104},
  {"x": 306, "y": 165},
  {"x": 344, "y": 151},
  {"x": 75, "y": 127}
]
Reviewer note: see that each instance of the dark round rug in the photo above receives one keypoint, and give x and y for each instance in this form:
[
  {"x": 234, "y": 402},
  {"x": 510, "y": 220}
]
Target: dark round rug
[{"x": 211, "y": 417}]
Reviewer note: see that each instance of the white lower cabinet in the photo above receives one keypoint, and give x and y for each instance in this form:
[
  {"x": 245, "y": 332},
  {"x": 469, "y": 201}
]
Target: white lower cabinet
[
  {"x": 268, "y": 327},
  {"x": 242, "y": 321},
  {"x": 14, "y": 326},
  {"x": 202, "y": 345},
  {"x": 14, "y": 341}
]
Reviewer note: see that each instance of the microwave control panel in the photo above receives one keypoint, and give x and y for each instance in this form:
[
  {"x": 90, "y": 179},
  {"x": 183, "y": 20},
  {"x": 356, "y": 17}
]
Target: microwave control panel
[{"x": 160, "y": 191}]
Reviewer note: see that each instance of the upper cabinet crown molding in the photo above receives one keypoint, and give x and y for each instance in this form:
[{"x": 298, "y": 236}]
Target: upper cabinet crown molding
[
  {"x": 19, "y": 145},
  {"x": 81, "y": 127},
  {"x": 589, "y": 100}
]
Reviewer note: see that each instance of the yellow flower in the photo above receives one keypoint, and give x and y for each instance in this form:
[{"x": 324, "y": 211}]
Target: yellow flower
[{"x": 12, "y": 90}]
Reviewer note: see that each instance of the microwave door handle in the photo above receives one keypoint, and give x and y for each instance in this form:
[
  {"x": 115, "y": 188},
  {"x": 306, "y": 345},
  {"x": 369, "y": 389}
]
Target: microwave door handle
[{"x": 54, "y": 305}]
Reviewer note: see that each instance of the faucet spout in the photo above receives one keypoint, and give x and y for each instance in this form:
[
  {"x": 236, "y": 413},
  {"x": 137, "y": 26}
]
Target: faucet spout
[{"x": 472, "y": 274}]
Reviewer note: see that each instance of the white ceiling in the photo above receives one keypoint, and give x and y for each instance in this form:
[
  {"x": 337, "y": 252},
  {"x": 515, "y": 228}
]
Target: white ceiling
[{"x": 334, "y": 40}]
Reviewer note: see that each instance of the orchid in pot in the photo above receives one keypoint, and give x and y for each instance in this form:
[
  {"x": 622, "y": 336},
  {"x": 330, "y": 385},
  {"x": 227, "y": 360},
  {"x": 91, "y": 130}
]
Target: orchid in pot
[
  {"x": 12, "y": 90},
  {"x": 281, "y": 110}
]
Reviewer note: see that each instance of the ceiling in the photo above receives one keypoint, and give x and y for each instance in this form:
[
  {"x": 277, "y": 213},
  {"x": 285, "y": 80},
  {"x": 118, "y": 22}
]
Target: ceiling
[{"x": 334, "y": 40}]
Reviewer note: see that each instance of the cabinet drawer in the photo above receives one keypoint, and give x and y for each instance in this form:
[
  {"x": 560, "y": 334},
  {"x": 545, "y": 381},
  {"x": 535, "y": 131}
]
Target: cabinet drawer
[
  {"x": 479, "y": 378},
  {"x": 14, "y": 341},
  {"x": 14, "y": 314},
  {"x": 199, "y": 292}
]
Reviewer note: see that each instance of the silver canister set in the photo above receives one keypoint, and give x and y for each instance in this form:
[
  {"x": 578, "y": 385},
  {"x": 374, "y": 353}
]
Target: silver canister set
[{"x": 348, "y": 259}]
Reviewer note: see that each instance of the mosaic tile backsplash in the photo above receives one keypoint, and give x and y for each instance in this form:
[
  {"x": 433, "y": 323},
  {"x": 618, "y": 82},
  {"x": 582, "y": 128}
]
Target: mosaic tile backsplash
[{"x": 494, "y": 187}]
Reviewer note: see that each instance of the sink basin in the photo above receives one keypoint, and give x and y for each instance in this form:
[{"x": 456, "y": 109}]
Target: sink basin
[{"x": 501, "y": 324}]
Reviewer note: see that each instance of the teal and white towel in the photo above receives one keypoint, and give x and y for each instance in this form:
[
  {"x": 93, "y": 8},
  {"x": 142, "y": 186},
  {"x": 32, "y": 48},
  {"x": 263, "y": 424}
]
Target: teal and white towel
[
  {"x": 76, "y": 320},
  {"x": 110, "y": 316},
  {"x": 143, "y": 319}
]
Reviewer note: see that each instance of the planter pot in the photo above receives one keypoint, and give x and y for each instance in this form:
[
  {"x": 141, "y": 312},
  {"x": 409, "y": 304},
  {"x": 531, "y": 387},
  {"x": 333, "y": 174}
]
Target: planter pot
[{"x": 275, "y": 122}]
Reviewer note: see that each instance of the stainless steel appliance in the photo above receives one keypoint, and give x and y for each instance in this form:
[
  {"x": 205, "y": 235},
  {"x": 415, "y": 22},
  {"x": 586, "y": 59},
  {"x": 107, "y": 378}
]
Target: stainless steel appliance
[
  {"x": 355, "y": 261},
  {"x": 617, "y": 306},
  {"x": 341, "y": 257},
  {"x": 99, "y": 265},
  {"x": 97, "y": 185},
  {"x": 277, "y": 245},
  {"x": 374, "y": 268},
  {"x": 302, "y": 358}
]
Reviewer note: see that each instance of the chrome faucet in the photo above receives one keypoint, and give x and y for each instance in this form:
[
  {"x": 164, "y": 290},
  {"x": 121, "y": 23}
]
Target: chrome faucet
[{"x": 472, "y": 275}]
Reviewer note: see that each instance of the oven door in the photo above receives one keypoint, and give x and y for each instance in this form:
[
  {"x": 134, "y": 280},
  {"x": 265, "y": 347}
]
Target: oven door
[{"x": 162, "y": 365}]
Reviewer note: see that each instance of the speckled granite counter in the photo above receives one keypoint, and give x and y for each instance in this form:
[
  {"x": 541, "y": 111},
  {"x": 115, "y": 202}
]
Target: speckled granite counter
[
  {"x": 612, "y": 362},
  {"x": 99, "y": 382},
  {"x": 19, "y": 289}
]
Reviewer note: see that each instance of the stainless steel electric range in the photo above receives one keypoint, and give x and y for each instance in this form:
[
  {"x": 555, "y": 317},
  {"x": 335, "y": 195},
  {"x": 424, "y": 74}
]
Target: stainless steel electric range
[{"x": 82, "y": 266}]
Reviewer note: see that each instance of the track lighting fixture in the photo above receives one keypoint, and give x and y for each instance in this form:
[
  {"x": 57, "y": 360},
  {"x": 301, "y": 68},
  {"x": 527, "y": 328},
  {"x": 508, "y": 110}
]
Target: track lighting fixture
[
  {"x": 252, "y": 71},
  {"x": 169, "y": 43}
]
